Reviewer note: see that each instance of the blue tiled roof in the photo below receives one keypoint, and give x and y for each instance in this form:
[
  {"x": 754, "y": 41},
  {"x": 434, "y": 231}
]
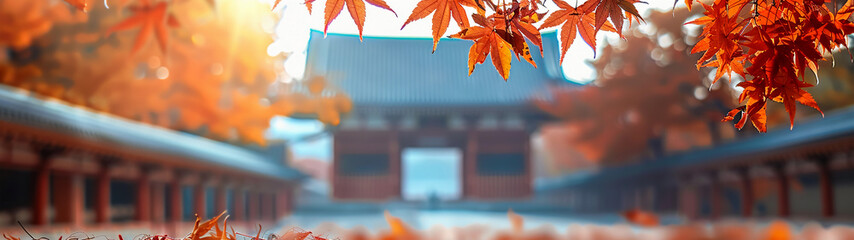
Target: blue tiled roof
[
  {"x": 19, "y": 108},
  {"x": 778, "y": 142},
  {"x": 403, "y": 72}
]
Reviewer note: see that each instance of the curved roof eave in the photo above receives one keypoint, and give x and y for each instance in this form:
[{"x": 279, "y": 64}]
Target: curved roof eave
[{"x": 19, "y": 108}]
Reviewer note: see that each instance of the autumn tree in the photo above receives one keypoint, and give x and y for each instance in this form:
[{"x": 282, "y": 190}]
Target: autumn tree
[
  {"x": 160, "y": 62},
  {"x": 646, "y": 89}
]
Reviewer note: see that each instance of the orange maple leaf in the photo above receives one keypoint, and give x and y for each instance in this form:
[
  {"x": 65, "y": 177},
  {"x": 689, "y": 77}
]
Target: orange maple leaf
[
  {"x": 79, "y": 4},
  {"x": 641, "y": 218},
  {"x": 488, "y": 41},
  {"x": 150, "y": 18},
  {"x": 575, "y": 20},
  {"x": 442, "y": 11},
  {"x": 355, "y": 7},
  {"x": 613, "y": 9}
]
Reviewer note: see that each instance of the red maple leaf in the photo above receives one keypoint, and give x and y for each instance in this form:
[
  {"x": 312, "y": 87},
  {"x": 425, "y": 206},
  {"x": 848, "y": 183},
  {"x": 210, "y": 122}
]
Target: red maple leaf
[
  {"x": 442, "y": 11},
  {"x": 150, "y": 18},
  {"x": 574, "y": 20},
  {"x": 355, "y": 7},
  {"x": 488, "y": 40}
]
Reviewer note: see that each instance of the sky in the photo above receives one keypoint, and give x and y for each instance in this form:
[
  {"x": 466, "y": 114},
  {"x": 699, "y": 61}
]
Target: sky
[
  {"x": 293, "y": 32},
  {"x": 428, "y": 171}
]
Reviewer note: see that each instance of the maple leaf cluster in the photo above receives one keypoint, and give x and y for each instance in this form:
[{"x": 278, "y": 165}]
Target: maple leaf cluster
[
  {"x": 771, "y": 44},
  {"x": 502, "y": 29}
]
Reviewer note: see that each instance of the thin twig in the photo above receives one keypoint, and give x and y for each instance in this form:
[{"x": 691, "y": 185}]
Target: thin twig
[{"x": 25, "y": 230}]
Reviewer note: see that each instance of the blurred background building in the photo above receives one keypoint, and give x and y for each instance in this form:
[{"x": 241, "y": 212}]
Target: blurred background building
[{"x": 143, "y": 141}]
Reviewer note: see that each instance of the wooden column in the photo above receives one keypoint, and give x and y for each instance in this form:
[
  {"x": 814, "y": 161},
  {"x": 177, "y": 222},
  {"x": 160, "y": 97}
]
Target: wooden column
[
  {"x": 220, "y": 198},
  {"x": 746, "y": 184},
  {"x": 394, "y": 155},
  {"x": 252, "y": 198},
  {"x": 715, "y": 196},
  {"x": 158, "y": 202},
  {"x": 41, "y": 189},
  {"x": 281, "y": 204},
  {"x": 283, "y": 200},
  {"x": 470, "y": 162},
  {"x": 266, "y": 206},
  {"x": 102, "y": 193},
  {"x": 142, "y": 205},
  {"x": 239, "y": 196},
  {"x": 68, "y": 198},
  {"x": 688, "y": 200},
  {"x": 782, "y": 180},
  {"x": 199, "y": 199},
  {"x": 826, "y": 185},
  {"x": 176, "y": 200}
]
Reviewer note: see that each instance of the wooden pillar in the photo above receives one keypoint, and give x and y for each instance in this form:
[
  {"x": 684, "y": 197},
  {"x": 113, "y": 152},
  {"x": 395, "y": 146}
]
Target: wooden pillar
[
  {"x": 715, "y": 196},
  {"x": 266, "y": 206},
  {"x": 746, "y": 184},
  {"x": 281, "y": 203},
  {"x": 68, "y": 198},
  {"x": 826, "y": 185},
  {"x": 252, "y": 198},
  {"x": 239, "y": 196},
  {"x": 158, "y": 202},
  {"x": 220, "y": 198},
  {"x": 41, "y": 189},
  {"x": 142, "y": 204},
  {"x": 782, "y": 180},
  {"x": 470, "y": 163},
  {"x": 176, "y": 200},
  {"x": 102, "y": 193},
  {"x": 199, "y": 199},
  {"x": 394, "y": 156},
  {"x": 688, "y": 199}
]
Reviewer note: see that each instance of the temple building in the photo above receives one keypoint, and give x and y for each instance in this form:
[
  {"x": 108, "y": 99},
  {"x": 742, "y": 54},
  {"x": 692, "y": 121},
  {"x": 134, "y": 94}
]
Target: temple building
[
  {"x": 67, "y": 166},
  {"x": 405, "y": 97}
]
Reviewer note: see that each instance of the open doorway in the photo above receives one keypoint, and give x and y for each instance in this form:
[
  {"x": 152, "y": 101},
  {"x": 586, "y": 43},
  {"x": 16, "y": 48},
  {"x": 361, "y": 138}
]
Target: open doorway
[{"x": 429, "y": 172}]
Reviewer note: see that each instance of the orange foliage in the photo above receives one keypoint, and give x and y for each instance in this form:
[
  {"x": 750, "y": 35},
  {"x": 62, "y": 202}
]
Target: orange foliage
[
  {"x": 771, "y": 45},
  {"x": 574, "y": 21},
  {"x": 206, "y": 84},
  {"x": 641, "y": 218},
  {"x": 149, "y": 18},
  {"x": 643, "y": 91},
  {"x": 442, "y": 11},
  {"x": 355, "y": 7},
  {"x": 777, "y": 230}
]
